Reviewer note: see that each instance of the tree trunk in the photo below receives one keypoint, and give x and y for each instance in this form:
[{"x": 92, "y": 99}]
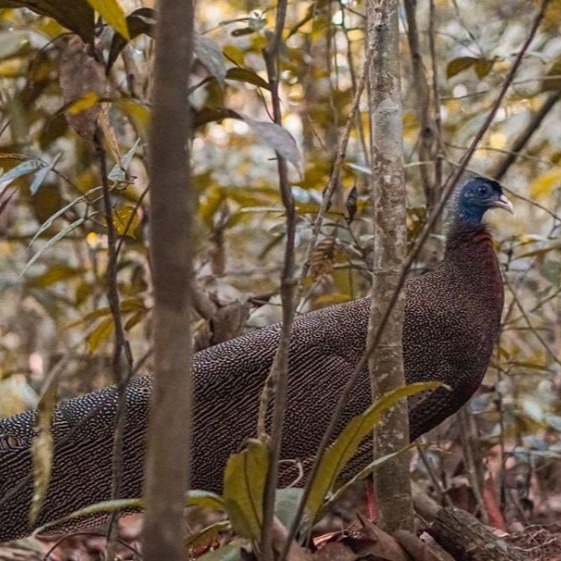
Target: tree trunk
[
  {"x": 388, "y": 197},
  {"x": 172, "y": 204}
]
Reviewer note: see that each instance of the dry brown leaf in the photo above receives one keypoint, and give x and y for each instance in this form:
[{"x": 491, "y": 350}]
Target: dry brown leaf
[
  {"x": 335, "y": 551},
  {"x": 82, "y": 81}
]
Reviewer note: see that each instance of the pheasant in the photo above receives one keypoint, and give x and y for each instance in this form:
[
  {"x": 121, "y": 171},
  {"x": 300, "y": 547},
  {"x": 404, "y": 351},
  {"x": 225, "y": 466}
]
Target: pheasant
[{"x": 452, "y": 318}]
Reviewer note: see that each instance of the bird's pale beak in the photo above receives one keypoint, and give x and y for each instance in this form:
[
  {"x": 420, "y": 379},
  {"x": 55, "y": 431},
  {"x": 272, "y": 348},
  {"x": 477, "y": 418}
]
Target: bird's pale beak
[{"x": 504, "y": 203}]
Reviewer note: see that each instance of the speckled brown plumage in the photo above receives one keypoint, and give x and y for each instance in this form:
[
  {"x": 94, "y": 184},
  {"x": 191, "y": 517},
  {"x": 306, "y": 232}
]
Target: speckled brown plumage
[{"x": 452, "y": 320}]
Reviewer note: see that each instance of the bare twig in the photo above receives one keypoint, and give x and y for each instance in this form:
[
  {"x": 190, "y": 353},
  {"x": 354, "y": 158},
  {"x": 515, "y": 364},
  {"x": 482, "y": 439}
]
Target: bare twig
[
  {"x": 530, "y": 325},
  {"x": 436, "y": 102},
  {"x": 474, "y": 467},
  {"x": 277, "y": 381},
  {"x": 444, "y": 498},
  {"x": 526, "y": 134},
  {"x": 121, "y": 345},
  {"x": 335, "y": 172},
  {"x": 422, "y": 93},
  {"x": 93, "y": 534}
]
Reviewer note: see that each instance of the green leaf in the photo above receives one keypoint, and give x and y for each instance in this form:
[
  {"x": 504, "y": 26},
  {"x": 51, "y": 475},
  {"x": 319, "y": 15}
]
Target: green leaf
[
  {"x": 113, "y": 14},
  {"x": 97, "y": 508},
  {"x": 206, "y": 534},
  {"x": 459, "y": 65},
  {"x": 244, "y": 485},
  {"x": 205, "y": 499},
  {"x": 345, "y": 446},
  {"x": 248, "y": 76},
  {"x": 78, "y": 17},
  {"x": 141, "y": 21},
  {"x": 278, "y": 139},
  {"x": 286, "y": 505},
  {"x": 365, "y": 472},
  {"x": 210, "y": 55},
  {"x": 192, "y": 498}
]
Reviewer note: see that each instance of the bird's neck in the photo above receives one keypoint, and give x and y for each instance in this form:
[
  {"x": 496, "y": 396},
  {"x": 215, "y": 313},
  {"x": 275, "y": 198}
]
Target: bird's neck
[
  {"x": 463, "y": 235},
  {"x": 469, "y": 249}
]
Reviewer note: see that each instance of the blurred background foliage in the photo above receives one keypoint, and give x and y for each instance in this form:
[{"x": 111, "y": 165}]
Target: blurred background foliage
[{"x": 53, "y": 246}]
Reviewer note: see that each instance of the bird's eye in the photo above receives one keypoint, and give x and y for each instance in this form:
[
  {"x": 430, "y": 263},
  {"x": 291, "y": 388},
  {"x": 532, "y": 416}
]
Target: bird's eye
[{"x": 482, "y": 190}]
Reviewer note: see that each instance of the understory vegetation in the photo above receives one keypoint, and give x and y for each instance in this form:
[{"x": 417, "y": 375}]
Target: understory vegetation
[{"x": 75, "y": 109}]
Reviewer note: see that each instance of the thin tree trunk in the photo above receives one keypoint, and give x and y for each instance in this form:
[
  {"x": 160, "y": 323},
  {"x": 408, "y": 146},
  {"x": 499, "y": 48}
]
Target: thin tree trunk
[
  {"x": 172, "y": 204},
  {"x": 393, "y": 490}
]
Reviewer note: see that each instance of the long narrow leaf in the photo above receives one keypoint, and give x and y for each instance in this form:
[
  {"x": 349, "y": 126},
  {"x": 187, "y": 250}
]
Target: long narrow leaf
[
  {"x": 41, "y": 175},
  {"x": 31, "y": 166},
  {"x": 204, "y": 499},
  {"x": 52, "y": 242},
  {"x": 50, "y": 221},
  {"x": 42, "y": 449},
  {"x": 365, "y": 472},
  {"x": 345, "y": 446}
]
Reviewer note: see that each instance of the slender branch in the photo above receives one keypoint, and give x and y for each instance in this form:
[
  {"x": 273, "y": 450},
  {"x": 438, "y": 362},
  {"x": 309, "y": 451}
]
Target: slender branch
[
  {"x": 120, "y": 342},
  {"x": 352, "y": 73},
  {"x": 363, "y": 362},
  {"x": 335, "y": 172},
  {"x": 436, "y": 101},
  {"x": 524, "y": 137},
  {"x": 472, "y": 459},
  {"x": 528, "y": 321},
  {"x": 437, "y": 484},
  {"x": 277, "y": 382},
  {"x": 422, "y": 93}
]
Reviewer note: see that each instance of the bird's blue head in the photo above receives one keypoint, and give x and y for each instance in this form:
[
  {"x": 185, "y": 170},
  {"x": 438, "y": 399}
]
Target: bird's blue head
[{"x": 477, "y": 195}]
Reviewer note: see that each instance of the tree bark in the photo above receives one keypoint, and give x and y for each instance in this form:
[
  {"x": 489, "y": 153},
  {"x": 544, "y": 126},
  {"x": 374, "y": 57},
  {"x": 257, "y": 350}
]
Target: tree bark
[
  {"x": 467, "y": 539},
  {"x": 172, "y": 204},
  {"x": 393, "y": 491}
]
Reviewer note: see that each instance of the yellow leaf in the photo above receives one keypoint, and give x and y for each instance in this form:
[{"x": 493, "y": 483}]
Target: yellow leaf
[
  {"x": 54, "y": 274},
  {"x": 459, "y": 65},
  {"x": 102, "y": 331},
  {"x": 126, "y": 220},
  {"x": 544, "y": 184},
  {"x": 235, "y": 54},
  {"x": 83, "y": 103},
  {"x": 138, "y": 115},
  {"x": 42, "y": 449},
  {"x": 483, "y": 66},
  {"x": 113, "y": 14}
]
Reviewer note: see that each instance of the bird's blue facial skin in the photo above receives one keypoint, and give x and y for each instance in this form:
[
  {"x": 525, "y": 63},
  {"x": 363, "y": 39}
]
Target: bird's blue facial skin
[{"x": 477, "y": 196}]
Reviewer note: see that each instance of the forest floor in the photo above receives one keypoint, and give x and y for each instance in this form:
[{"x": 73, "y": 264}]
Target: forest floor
[{"x": 351, "y": 542}]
